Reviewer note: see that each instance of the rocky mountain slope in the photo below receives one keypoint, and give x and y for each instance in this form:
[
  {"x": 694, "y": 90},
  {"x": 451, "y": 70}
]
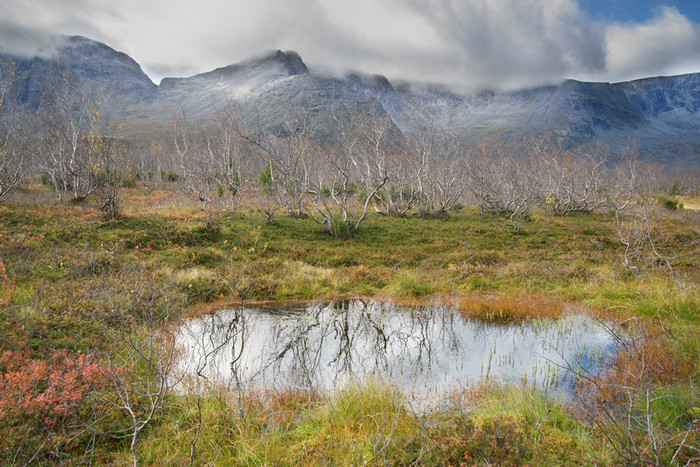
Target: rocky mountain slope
[
  {"x": 101, "y": 72},
  {"x": 659, "y": 115}
]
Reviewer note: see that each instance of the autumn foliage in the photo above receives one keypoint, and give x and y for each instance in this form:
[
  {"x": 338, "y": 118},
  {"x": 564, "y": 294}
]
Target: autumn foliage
[
  {"x": 54, "y": 395},
  {"x": 47, "y": 390}
]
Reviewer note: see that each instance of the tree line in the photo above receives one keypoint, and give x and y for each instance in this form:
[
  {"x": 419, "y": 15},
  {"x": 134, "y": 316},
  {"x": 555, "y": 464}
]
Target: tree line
[{"x": 355, "y": 165}]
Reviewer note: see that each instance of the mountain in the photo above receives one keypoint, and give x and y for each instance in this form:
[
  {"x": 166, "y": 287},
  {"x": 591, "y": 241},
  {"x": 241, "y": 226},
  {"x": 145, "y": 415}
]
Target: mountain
[
  {"x": 271, "y": 90},
  {"x": 240, "y": 81},
  {"x": 100, "y": 72},
  {"x": 659, "y": 115}
]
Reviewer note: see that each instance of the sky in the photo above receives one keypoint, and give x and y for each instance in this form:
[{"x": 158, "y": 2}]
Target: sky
[{"x": 464, "y": 43}]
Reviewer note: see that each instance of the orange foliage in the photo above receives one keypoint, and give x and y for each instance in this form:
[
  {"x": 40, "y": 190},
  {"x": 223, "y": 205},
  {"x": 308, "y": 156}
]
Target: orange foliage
[
  {"x": 647, "y": 361},
  {"x": 511, "y": 307},
  {"x": 46, "y": 390}
]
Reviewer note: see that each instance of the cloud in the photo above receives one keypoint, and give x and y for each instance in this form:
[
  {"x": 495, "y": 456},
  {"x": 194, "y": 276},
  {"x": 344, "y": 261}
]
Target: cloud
[
  {"x": 27, "y": 26},
  {"x": 468, "y": 43},
  {"x": 669, "y": 43},
  {"x": 514, "y": 42}
]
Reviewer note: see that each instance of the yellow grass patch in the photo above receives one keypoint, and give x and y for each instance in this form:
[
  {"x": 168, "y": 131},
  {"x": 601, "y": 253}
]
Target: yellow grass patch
[
  {"x": 298, "y": 279},
  {"x": 500, "y": 306},
  {"x": 690, "y": 202}
]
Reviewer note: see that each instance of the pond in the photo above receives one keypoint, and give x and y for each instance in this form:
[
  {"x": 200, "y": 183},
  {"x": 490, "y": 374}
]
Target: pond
[{"x": 424, "y": 351}]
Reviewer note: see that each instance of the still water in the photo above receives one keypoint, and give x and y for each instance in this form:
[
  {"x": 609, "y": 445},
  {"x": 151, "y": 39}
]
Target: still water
[{"x": 425, "y": 351}]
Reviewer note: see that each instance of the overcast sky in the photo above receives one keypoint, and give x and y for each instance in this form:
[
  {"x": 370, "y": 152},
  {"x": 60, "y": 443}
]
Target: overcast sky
[{"x": 472, "y": 43}]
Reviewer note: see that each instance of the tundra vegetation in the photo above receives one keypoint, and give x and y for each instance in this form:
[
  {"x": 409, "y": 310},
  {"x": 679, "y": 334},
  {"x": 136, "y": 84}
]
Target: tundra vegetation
[{"x": 106, "y": 245}]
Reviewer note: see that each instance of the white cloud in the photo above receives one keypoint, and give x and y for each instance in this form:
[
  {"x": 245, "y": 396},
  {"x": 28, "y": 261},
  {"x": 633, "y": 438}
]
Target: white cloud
[
  {"x": 494, "y": 43},
  {"x": 514, "y": 42},
  {"x": 667, "y": 44}
]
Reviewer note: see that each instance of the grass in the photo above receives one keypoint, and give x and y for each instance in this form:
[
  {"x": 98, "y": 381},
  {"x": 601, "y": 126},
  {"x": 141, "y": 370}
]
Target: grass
[
  {"x": 366, "y": 423},
  {"x": 544, "y": 431},
  {"x": 300, "y": 280},
  {"x": 69, "y": 275},
  {"x": 395, "y": 256},
  {"x": 370, "y": 423},
  {"x": 408, "y": 283},
  {"x": 691, "y": 202},
  {"x": 509, "y": 307}
]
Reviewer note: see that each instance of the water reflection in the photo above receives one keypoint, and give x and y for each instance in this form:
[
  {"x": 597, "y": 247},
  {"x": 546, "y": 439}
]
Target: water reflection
[{"x": 424, "y": 351}]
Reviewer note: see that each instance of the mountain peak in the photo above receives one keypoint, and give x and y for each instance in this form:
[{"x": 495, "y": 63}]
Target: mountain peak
[
  {"x": 289, "y": 60},
  {"x": 78, "y": 39},
  {"x": 378, "y": 82},
  {"x": 293, "y": 61},
  {"x": 95, "y": 69},
  {"x": 275, "y": 63}
]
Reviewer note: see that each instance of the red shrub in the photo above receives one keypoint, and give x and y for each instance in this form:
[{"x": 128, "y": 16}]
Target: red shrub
[{"x": 46, "y": 390}]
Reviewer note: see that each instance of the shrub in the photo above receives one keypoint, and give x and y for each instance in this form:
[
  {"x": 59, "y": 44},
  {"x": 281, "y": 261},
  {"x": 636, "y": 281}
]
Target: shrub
[
  {"x": 43, "y": 398},
  {"x": 266, "y": 179},
  {"x": 674, "y": 189},
  {"x": 341, "y": 228},
  {"x": 129, "y": 182},
  {"x": 169, "y": 176},
  {"x": 669, "y": 202}
]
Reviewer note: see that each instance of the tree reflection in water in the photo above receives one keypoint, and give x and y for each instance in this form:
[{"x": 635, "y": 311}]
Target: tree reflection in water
[{"x": 424, "y": 351}]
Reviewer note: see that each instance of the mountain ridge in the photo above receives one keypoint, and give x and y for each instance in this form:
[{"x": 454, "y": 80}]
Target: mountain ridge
[{"x": 656, "y": 113}]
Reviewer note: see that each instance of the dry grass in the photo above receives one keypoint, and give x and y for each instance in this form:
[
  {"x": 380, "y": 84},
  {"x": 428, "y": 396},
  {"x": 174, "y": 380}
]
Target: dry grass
[
  {"x": 691, "y": 202},
  {"x": 283, "y": 407},
  {"x": 507, "y": 307},
  {"x": 643, "y": 405},
  {"x": 298, "y": 279},
  {"x": 646, "y": 357}
]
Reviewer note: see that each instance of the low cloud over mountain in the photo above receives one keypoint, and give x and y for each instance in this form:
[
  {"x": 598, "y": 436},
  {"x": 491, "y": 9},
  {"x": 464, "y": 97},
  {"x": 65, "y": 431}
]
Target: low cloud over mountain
[
  {"x": 659, "y": 115},
  {"x": 470, "y": 44}
]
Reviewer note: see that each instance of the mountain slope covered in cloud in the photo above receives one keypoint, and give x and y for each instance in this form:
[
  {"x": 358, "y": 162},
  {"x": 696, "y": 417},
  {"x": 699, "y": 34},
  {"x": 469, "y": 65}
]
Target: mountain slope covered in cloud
[
  {"x": 659, "y": 115},
  {"x": 109, "y": 76}
]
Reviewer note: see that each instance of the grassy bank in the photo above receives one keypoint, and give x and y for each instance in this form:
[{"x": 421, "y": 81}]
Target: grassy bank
[
  {"x": 370, "y": 423},
  {"x": 576, "y": 257},
  {"x": 75, "y": 283}
]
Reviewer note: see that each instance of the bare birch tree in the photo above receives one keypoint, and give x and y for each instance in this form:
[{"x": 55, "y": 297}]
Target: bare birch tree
[
  {"x": 227, "y": 152},
  {"x": 13, "y": 142},
  {"x": 287, "y": 164},
  {"x": 66, "y": 161},
  {"x": 196, "y": 166},
  {"x": 349, "y": 171},
  {"x": 572, "y": 182},
  {"x": 441, "y": 175},
  {"x": 636, "y": 221},
  {"x": 502, "y": 182}
]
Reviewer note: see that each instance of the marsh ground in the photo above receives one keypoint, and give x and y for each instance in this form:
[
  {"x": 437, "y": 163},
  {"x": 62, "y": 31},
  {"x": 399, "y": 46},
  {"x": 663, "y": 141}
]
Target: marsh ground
[{"x": 71, "y": 279}]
